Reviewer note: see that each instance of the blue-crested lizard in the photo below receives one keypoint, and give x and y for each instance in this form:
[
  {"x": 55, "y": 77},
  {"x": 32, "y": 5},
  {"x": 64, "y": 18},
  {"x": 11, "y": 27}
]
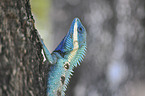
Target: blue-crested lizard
[{"x": 69, "y": 53}]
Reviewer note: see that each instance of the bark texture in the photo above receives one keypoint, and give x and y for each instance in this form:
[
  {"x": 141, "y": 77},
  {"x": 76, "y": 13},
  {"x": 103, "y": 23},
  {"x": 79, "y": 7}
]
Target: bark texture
[{"x": 21, "y": 68}]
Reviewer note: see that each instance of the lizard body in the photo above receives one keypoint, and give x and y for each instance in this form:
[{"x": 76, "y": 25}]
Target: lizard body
[{"x": 69, "y": 53}]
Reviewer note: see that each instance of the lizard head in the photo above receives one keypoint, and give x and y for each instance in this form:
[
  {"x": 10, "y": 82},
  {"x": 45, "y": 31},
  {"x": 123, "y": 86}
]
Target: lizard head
[
  {"x": 77, "y": 34},
  {"x": 75, "y": 38}
]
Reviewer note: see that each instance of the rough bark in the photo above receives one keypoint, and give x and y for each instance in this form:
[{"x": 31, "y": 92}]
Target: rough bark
[{"x": 21, "y": 68}]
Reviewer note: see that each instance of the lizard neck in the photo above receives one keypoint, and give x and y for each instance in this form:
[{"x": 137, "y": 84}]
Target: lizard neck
[{"x": 76, "y": 55}]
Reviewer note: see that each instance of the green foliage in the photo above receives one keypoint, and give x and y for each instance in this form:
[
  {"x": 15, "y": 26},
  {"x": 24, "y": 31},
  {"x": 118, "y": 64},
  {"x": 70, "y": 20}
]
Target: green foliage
[{"x": 40, "y": 10}]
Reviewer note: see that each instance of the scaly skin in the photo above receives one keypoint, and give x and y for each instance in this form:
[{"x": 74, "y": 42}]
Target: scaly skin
[{"x": 69, "y": 53}]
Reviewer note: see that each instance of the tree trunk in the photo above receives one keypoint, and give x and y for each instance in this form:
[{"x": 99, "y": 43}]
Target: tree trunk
[{"x": 21, "y": 70}]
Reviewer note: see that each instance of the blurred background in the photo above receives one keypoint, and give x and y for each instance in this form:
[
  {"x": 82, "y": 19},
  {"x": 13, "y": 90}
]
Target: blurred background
[{"x": 115, "y": 60}]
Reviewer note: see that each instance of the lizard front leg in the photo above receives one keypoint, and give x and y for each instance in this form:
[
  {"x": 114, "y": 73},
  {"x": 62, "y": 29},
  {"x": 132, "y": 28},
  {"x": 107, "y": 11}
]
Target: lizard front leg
[{"x": 52, "y": 59}]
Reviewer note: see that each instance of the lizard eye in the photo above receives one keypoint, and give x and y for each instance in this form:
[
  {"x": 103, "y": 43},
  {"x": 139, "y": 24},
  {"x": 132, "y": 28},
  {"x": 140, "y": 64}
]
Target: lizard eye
[{"x": 80, "y": 29}]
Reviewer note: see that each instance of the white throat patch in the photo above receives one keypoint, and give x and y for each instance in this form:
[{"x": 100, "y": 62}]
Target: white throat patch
[
  {"x": 75, "y": 42},
  {"x": 75, "y": 36}
]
